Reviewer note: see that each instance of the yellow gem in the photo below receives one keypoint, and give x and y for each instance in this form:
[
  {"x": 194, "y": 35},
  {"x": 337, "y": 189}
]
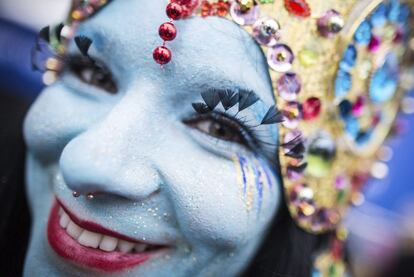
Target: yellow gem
[{"x": 308, "y": 57}]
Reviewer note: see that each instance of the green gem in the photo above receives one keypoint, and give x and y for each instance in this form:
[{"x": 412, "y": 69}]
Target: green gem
[
  {"x": 308, "y": 57},
  {"x": 332, "y": 270},
  {"x": 266, "y": 1},
  {"x": 341, "y": 196},
  {"x": 321, "y": 153}
]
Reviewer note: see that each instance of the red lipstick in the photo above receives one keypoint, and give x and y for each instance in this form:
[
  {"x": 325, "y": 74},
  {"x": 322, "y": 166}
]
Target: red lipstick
[{"x": 70, "y": 249}]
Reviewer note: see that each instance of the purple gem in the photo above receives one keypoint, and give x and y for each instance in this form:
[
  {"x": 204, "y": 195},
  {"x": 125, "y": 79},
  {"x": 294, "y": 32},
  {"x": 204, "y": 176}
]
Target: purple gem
[
  {"x": 340, "y": 182},
  {"x": 374, "y": 44},
  {"x": 280, "y": 58},
  {"x": 358, "y": 106},
  {"x": 291, "y": 113},
  {"x": 330, "y": 24},
  {"x": 266, "y": 31},
  {"x": 244, "y": 18},
  {"x": 289, "y": 86}
]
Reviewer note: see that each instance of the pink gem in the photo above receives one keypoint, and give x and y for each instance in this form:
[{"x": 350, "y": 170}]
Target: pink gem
[
  {"x": 399, "y": 36},
  {"x": 374, "y": 44},
  {"x": 358, "y": 107},
  {"x": 340, "y": 182},
  {"x": 311, "y": 108}
]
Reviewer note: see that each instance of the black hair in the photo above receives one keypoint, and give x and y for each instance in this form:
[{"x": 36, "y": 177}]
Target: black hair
[
  {"x": 287, "y": 250},
  {"x": 14, "y": 212}
]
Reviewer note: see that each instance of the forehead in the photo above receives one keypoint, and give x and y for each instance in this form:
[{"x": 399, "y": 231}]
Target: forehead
[{"x": 127, "y": 31}]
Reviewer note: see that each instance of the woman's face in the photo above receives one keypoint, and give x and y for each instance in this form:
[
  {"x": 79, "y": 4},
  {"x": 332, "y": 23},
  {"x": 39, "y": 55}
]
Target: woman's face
[{"x": 176, "y": 192}]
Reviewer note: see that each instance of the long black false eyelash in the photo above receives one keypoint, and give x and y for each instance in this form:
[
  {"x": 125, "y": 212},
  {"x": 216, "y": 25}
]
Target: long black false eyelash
[
  {"x": 295, "y": 147},
  {"x": 44, "y": 34},
  {"x": 58, "y": 31},
  {"x": 272, "y": 116},
  {"x": 83, "y": 43},
  {"x": 42, "y": 49},
  {"x": 298, "y": 169},
  {"x": 230, "y": 98},
  {"x": 247, "y": 99}
]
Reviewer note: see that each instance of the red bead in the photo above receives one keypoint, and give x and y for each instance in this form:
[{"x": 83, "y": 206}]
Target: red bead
[
  {"x": 162, "y": 55},
  {"x": 167, "y": 31},
  {"x": 174, "y": 11},
  {"x": 298, "y": 7},
  {"x": 311, "y": 108},
  {"x": 182, "y": 2},
  {"x": 188, "y": 6}
]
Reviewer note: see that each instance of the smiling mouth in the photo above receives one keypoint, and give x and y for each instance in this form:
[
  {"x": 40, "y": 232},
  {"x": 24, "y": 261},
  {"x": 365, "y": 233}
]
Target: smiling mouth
[{"x": 90, "y": 245}]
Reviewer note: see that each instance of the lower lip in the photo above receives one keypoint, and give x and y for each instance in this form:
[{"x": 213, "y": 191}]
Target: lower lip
[{"x": 66, "y": 247}]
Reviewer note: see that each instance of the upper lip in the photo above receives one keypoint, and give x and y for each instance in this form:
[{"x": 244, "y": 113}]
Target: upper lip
[{"x": 96, "y": 228}]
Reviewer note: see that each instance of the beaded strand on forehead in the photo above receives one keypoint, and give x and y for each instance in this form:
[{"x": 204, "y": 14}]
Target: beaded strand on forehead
[{"x": 176, "y": 10}]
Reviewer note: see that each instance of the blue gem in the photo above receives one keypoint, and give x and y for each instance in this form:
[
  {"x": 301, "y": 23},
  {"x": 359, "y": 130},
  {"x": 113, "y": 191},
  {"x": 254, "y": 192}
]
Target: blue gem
[
  {"x": 379, "y": 17},
  {"x": 345, "y": 108},
  {"x": 363, "y": 33},
  {"x": 343, "y": 83},
  {"x": 363, "y": 137},
  {"x": 384, "y": 82},
  {"x": 352, "y": 127},
  {"x": 394, "y": 10},
  {"x": 404, "y": 14},
  {"x": 349, "y": 58}
]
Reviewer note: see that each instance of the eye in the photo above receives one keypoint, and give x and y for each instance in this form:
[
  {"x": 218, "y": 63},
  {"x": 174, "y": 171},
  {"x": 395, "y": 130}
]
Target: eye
[
  {"x": 220, "y": 127},
  {"x": 93, "y": 73}
]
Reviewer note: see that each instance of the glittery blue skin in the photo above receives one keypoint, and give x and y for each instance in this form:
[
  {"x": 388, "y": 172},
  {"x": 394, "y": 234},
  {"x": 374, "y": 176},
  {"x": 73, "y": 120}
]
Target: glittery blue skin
[
  {"x": 384, "y": 82},
  {"x": 134, "y": 148}
]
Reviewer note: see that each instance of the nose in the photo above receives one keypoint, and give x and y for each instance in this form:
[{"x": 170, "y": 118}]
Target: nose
[{"x": 112, "y": 157}]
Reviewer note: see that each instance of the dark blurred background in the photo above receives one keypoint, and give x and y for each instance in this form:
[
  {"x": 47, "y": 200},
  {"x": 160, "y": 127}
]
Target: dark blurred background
[{"x": 381, "y": 228}]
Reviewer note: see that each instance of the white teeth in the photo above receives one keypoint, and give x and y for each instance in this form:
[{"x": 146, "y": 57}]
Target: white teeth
[
  {"x": 73, "y": 230},
  {"x": 64, "y": 220},
  {"x": 139, "y": 247},
  {"x": 125, "y": 246},
  {"x": 108, "y": 244},
  {"x": 95, "y": 240},
  {"x": 89, "y": 239}
]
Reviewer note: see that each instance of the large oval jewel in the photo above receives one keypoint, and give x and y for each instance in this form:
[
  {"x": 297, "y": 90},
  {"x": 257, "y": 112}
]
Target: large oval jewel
[
  {"x": 266, "y": 31},
  {"x": 280, "y": 58}
]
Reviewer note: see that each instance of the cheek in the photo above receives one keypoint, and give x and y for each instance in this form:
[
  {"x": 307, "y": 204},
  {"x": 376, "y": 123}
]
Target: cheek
[
  {"x": 259, "y": 186},
  {"x": 223, "y": 203},
  {"x": 55, "y": 118}
]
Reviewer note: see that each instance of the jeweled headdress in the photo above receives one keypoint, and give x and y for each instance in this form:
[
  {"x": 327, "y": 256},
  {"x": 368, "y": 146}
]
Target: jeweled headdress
[{"x": 336, "y": 68}]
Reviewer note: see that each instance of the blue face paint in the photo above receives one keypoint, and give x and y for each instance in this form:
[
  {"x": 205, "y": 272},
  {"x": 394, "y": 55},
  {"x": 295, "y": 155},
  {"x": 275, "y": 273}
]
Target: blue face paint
[{"x": 133, "y": 148}]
